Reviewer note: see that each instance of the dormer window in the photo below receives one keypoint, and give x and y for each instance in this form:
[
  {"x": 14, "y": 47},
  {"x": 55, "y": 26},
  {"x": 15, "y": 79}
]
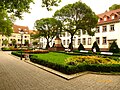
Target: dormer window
[
  {"x": 105, "y": 19},
  {"x": 113, "y": 17}
]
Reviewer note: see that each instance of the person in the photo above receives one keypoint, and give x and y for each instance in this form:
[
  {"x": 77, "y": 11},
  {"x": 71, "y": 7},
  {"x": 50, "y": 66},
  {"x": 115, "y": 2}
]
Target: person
[{"x": 94, "y": 50}]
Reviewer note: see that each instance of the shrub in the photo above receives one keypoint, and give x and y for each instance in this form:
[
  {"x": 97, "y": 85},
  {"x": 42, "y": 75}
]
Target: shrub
[
  {"x": 81, "y": 47},
  {"x": 114, "y": 47},
  {"x": 36, "y": 51},
  {"x": 95, "y": 45},
  {"x": 76, "y": 60}
]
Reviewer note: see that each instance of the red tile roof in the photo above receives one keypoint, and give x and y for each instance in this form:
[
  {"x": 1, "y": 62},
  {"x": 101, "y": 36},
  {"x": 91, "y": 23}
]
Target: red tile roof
[
  {"x": 108, "y": 14},
  {"x": 17, "y": 29}
]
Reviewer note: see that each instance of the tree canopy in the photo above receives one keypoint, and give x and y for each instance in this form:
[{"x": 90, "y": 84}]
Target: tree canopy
[
  {"x": 49, "y": 3},
  {"x": 5, "y": 24},
  {"x": 48, "y": 28},
  {"x": 17, "y": 7},
  {"x": 76, "y": 16},
  {"x": 114, "y": 7}
]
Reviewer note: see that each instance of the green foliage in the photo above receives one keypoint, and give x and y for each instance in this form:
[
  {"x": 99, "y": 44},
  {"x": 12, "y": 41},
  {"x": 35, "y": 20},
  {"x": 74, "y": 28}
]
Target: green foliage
[
  {"x": 76, "y": 16},
  {"x": 5, "y": 42},
  {"x": 35, "y": 43},
  {"x": 95, "y": 45},
  {"x": 5, "y": 23},
  {"x": 81, "y": 47},
  {"x": 13, "y": 42},
  {"x": 49, "y": 3},
  {"x": 114, "y": 7},
  {"x": 48, "y": 28},
  {"x": 76, "y": 60},
  {"x": 15, "y": 7},
  {"x": 114, "y": 47}
]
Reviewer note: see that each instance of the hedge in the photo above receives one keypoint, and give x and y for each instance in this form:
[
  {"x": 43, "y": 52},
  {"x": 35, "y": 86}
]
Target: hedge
[{"x": 72, "y": 69}]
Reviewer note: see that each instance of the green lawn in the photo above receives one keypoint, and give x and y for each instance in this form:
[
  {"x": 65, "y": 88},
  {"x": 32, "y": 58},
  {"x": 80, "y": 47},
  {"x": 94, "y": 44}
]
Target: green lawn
[{"x": 53, "y": 57}]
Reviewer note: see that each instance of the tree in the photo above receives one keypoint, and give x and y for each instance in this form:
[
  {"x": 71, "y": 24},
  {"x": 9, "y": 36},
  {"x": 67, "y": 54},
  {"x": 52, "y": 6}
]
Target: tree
[
  {"x": 5, "y": 24},
  {"x": 95, "y": 46},
  {"x": 48, "y": 28},
  {"x": 49, "y": 3},
  {"x": 5, "y": 42},
  {"x": 114, "y": 7},
  {"x": 76, "y": 16},
  {"x": 114, "y": 48},
  {"x": 81, "y": 47},
  {"x": 16, "y": 7},
  {"x": 13, "y": 42},
  {"x": 27, "y": 42}
]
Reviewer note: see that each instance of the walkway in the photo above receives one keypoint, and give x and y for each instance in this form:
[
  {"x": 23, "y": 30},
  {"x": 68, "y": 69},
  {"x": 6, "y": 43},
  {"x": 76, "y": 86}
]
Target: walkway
[{"x": 18, "y": 75}]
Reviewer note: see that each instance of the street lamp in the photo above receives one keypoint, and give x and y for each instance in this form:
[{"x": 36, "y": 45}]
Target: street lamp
[{"x": 21, "y": 33}]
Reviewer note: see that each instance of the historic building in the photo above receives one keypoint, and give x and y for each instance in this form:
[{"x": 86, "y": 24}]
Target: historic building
[
  {"x": 107, "y": 31},
  {"x": 16, "y": 35}
]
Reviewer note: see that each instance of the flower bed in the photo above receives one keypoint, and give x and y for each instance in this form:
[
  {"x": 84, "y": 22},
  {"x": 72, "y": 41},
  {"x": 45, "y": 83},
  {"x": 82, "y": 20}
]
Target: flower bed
[
  {"x": 74, "y": 64},
  {"x": 36, "y": 51}
]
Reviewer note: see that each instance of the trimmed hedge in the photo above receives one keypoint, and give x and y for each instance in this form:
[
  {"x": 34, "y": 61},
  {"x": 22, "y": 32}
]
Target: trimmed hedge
[
  {"x": 72, "y": 69},
  {"x": 17, "y": 53}
]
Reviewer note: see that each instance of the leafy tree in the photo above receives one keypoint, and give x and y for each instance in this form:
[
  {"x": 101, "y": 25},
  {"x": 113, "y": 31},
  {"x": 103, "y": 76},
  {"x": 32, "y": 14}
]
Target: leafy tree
[
  {"x": 114, "y": 48},
  {"x": 81, "y": 47},
  {"x": 16, "y": 7},
  {"x": 76, "y": 16},
  {"x": 13, "y": 42},
  {"x": 27, "y": 42},
  {"x": 48, "y": 28},
  {"x": 114, "y": 7},
  {"x": 35, "y": 43},
  {"x": 5, "y": 24},
  {"x": 49, "y": 3},
  {"x": 95, "y": 45},
  {"x": 5, "y": 42}
]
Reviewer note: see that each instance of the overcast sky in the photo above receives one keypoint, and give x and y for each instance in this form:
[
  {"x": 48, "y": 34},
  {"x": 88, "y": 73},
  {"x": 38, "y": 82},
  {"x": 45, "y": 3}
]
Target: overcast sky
[{"x": 37, "y": 12}]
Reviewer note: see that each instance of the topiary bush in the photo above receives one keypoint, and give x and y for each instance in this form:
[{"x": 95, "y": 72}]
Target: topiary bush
[
  {"x": 81, "y": 47},
  {"x": 114, "y": 48},
  {"x": 95, "y": 45}
]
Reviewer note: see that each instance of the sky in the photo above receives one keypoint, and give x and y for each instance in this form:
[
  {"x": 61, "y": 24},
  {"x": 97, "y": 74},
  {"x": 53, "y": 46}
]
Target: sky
[{"x": 38, "y": 12}]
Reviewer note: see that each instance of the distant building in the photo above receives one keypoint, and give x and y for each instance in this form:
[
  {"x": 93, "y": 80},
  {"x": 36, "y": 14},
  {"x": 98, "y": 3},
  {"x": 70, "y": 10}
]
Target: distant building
[
  {"x": 17, "y": 36},
  {"x": 107, "y": 31}
]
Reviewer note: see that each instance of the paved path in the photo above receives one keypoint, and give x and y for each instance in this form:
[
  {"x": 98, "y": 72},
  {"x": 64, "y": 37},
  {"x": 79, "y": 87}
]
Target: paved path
[{"x": 18, "y": 75}]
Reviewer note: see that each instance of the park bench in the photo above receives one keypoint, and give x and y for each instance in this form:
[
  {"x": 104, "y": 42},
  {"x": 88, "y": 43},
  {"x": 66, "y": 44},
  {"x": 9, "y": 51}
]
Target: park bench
[
  {"x": 106, "y": 53},
  {"x": 83, "y": 51}
]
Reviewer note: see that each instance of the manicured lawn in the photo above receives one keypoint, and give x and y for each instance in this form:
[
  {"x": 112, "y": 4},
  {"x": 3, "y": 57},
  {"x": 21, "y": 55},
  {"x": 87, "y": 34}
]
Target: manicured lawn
[{"x": 53, "y": 57}]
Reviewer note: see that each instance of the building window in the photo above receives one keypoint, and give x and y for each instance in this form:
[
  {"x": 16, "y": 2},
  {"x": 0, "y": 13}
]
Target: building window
[
  {"x": 19, "y": 40},
  {"x": 113, "y": 17},
  {"x": 79, "y": 41},
  {"x": 97, "y": 29},
  {"x": 111, "y": 27},
  {"x": 84, "y": 41},
  {"x": 105, "y": 19},
  {"x": 89, "y": 41},
  {"x": 63, "y": 42},
  {"x": 104, "y": 40},
  {"x": 98, "y": 40},
  {"x": 25, "y": 36},
  {"x": 68, "y": 42},
  {"x": 104, "y": 28}
]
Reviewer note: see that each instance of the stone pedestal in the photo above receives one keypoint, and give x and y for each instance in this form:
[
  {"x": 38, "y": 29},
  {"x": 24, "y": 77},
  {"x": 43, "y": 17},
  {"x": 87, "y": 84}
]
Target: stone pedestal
[{"x": 58, "y": 45}]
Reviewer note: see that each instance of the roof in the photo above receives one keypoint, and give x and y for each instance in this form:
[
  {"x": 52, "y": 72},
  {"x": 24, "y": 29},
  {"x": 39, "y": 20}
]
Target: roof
[
  {"x": 18, "y": 28},
  {"x": 32, "y": 31},
  {"x": 108, "y": 14}
]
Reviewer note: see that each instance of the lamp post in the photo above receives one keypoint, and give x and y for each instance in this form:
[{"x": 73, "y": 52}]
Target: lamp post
[{"x": 21, "y": 33}]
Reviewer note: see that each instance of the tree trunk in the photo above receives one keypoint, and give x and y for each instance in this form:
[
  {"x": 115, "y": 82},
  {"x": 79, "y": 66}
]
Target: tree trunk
[
  {"x": 71, "y": 44},
  {"x": 47, "y": 46}
]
